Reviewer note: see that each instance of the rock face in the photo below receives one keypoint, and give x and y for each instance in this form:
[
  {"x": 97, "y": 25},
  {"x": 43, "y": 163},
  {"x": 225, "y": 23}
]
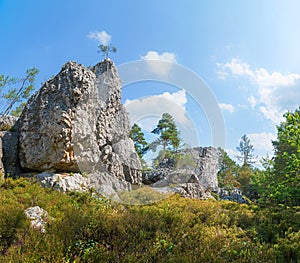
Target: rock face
[
  {"x": 9, "y": 159},
  {"x": 193, "y": 175},
  {"x": 76, "y": 122}
]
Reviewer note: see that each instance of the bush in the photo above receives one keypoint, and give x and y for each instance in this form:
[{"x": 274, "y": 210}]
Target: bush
[{"x": 88, "y": 229}]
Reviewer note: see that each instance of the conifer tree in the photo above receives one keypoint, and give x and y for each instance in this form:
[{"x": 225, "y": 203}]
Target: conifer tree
[
  {"x": 140, "y": 144},
  {"x": 15, "y": 91},
  {"x": 168, "y": 133},
  {"x": 245, "y": 149}
]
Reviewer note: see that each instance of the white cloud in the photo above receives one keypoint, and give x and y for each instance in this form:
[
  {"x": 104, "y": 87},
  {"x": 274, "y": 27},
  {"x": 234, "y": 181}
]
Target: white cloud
[
  {"x": 166, "y": 56},
  {"x": 173, "y": 103},
  {"x": 102, "y": 37},
  {"x": 239, "y": 68},
  {"x": 227, "y": 107},
  {"x": 146, "y": 111},
  {"x": 277, "y": 92},
  {"x": 252, "y": 101},
  {"x": 153, "y": 58},
  {"x": 262, "y": 141}
]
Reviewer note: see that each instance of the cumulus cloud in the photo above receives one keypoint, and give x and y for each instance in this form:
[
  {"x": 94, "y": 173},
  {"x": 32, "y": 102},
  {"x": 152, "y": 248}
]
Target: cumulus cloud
[
  {"x": 163, "y": 68},
  {"x": 228, "y": 107},
  {"x": 165, "y": 56},
  {"x": 146, "y": 111},
  {"x": 277, "y": 92},
  {"x": 103, "y": 37},
  {"x": 237, "y": 68},
  {"x": 173, "y": 103},
  {"x": 262, "y": 141}
]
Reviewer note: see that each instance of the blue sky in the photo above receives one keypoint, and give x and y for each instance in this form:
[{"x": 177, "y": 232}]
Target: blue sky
[{"x": 247, "y": 53}]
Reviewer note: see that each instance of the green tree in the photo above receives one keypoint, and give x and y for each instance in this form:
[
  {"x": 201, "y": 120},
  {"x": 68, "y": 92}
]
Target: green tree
[
  {"x": 168, "y": 133},
  {"x": 245, "y": 149},
  {"x": 106, "y": 49},
  {"x": 262, "y": 180},
  {"x": 14, "y": 91},
  {"x": 227, "y": 174},
  {"x": 140, "y": 144},
  {"x": 286, "y": 179}
]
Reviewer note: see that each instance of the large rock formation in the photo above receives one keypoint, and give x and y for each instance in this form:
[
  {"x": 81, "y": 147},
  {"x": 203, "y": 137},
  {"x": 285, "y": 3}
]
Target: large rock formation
[
  {"x": 76, "y": 122},
  {"x": 193, "y": 174}
]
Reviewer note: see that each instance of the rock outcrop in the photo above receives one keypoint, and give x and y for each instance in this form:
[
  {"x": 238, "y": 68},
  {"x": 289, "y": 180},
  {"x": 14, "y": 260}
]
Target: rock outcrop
[
  {"x": 73, "y": 135},
  {"x": 38, "y": 217},
  {"x": 194, "y": 174},
  {"x": 9, "y": 156},
  {"x": 102, "y": 183},
  {"x": 76, "y": 122}
]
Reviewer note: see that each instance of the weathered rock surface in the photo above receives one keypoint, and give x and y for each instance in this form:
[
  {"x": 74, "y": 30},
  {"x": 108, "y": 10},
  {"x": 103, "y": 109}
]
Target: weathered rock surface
[
  {"x": 8, "y": 123},
  {"x": 205, "y": 166},
  {"x": 192, "y": 190},
  {"x": 194, "y": 174},
  {"x": 38, "y": 217},
  {"x": 9, "y": 159},
  {"x": 76, "y": 122},
  {"x": 103, "y": 183},
  {"x": 234, "y": 195},
  {"x": 63, "y": 182}
]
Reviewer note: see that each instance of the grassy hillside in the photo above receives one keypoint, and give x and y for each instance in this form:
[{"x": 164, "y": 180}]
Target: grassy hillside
[{"x": 82, "y": 228}]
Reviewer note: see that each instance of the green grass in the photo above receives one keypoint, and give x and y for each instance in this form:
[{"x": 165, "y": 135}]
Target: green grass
[{"x": 86, "y": 229}]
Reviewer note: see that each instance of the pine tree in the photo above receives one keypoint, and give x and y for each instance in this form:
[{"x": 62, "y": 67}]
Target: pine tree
[
  {"x": 168, "y": 133},
  {"x": 15, "y": 96},
  {"x": 140, "y": 144},
  {"x": 245, "y": 149},
  {"x": 106, "y": 49}
]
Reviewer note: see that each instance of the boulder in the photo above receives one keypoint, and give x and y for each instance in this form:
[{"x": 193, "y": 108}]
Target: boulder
[
  {"x": 100, "y": 182},
  {"x": 234, "y": 195},
  {"x": 205, "y": 165},
  {"x": 150, "y": 177},
  {"x": 38, "y": 217},
  {"x": 63, "y": 182},
  {"x": 192, "y": 190},
  {"x": 9, "y": 157},
  {"x": 76, "y": 123}
]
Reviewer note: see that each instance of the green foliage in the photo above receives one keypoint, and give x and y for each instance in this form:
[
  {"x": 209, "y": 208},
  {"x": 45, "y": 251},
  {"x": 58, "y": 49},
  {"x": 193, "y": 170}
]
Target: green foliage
[
  {"x": 279, "y": 182},
  {"x": 227, "y": 174},
  {"x": 88, "y": 229},
  {"x": 106, "y": 49},
  {"x": 168, "y": 133},
  {"x": 245, "y": 149},
  {"x": 142, "y": 196},
  {"x": 287, "y": 160},
  {"x": 140, "y": 144},
  {"x": 21, "y": 90},
  {"x": 244, "y": 175}
]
